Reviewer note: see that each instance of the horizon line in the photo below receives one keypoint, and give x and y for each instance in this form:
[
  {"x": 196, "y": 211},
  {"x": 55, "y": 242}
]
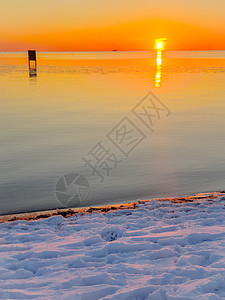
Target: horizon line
[{"x": 114, "y": 50}]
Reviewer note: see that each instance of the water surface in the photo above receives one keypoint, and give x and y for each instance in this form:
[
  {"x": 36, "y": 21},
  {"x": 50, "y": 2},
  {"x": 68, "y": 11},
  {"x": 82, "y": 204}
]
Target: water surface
[{"x": 50, "y": 123}]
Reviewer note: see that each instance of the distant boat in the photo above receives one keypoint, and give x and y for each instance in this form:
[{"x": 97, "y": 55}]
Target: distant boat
[{"x": 115, "y": 50}]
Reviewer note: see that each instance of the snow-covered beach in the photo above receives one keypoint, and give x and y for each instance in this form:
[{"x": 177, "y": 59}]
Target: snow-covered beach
[{"x": 159, "y": 250}]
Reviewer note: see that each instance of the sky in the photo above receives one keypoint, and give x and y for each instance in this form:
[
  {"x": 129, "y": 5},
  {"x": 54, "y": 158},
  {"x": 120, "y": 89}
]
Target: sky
[{"x": 102, "y": 25}]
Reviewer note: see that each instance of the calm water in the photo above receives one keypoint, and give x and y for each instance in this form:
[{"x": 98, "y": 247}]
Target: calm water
[{"x": 51, "y": 122}]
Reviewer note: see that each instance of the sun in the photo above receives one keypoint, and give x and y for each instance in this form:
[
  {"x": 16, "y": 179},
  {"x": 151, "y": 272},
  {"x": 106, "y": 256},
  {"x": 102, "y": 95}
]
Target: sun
[{"x": 160, "y": 44}]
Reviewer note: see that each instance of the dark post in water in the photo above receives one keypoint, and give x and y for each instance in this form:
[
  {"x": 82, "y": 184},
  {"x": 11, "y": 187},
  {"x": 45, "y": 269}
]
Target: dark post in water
[{"x": 32, "y": 63}]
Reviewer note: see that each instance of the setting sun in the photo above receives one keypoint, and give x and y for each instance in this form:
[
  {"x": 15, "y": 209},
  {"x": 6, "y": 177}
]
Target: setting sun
[
  {"x": 160, "y": 44},
  {"x": 86, "y": 26}
]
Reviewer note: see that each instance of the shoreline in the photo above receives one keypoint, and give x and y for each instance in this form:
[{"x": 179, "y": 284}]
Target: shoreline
[{"x": 68, "y": 212}]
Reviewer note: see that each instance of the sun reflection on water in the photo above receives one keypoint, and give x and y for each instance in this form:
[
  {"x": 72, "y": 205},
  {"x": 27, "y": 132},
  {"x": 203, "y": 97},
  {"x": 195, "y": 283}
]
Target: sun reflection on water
[{"x": 158, "y": 74}]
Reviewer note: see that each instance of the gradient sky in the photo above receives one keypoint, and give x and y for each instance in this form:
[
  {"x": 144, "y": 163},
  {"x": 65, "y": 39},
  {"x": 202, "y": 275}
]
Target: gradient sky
[{"x": 72, "y": 25}]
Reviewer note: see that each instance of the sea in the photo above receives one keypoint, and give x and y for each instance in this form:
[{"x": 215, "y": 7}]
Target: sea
[{"x": 99, "y": 128}]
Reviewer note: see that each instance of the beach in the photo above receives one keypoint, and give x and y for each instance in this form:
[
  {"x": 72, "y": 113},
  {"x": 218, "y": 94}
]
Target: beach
[{"x": 168, "y": 249}]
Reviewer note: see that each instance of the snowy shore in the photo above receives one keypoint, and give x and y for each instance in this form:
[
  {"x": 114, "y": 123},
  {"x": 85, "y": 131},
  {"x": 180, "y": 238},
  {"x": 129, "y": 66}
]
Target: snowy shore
[{"x": 159, "y": 250}]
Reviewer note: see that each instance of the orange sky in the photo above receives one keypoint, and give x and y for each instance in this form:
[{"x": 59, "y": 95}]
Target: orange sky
[{"x": 72, "y": 25}]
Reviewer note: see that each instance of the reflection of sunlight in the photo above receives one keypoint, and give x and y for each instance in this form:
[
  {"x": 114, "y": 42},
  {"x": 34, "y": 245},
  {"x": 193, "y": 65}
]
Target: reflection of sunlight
[
  {"x": 158, "y": 74},
  {"x": 159, "y": 61},
  {"x": 158, "y": 77},
  {"x": 159, "y": 47},
  {"x": 159, "y": 58}
]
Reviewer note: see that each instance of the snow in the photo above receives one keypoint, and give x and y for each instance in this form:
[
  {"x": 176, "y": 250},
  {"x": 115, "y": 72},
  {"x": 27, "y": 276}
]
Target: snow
[{"x": 160, "y": 250}]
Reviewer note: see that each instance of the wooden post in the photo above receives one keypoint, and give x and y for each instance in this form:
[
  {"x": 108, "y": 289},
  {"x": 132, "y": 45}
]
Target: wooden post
[{"x": 32, "y": 57}]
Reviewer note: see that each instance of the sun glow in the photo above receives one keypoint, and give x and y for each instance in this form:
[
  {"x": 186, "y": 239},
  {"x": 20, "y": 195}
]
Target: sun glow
[{"x": 160, "y": 44}]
